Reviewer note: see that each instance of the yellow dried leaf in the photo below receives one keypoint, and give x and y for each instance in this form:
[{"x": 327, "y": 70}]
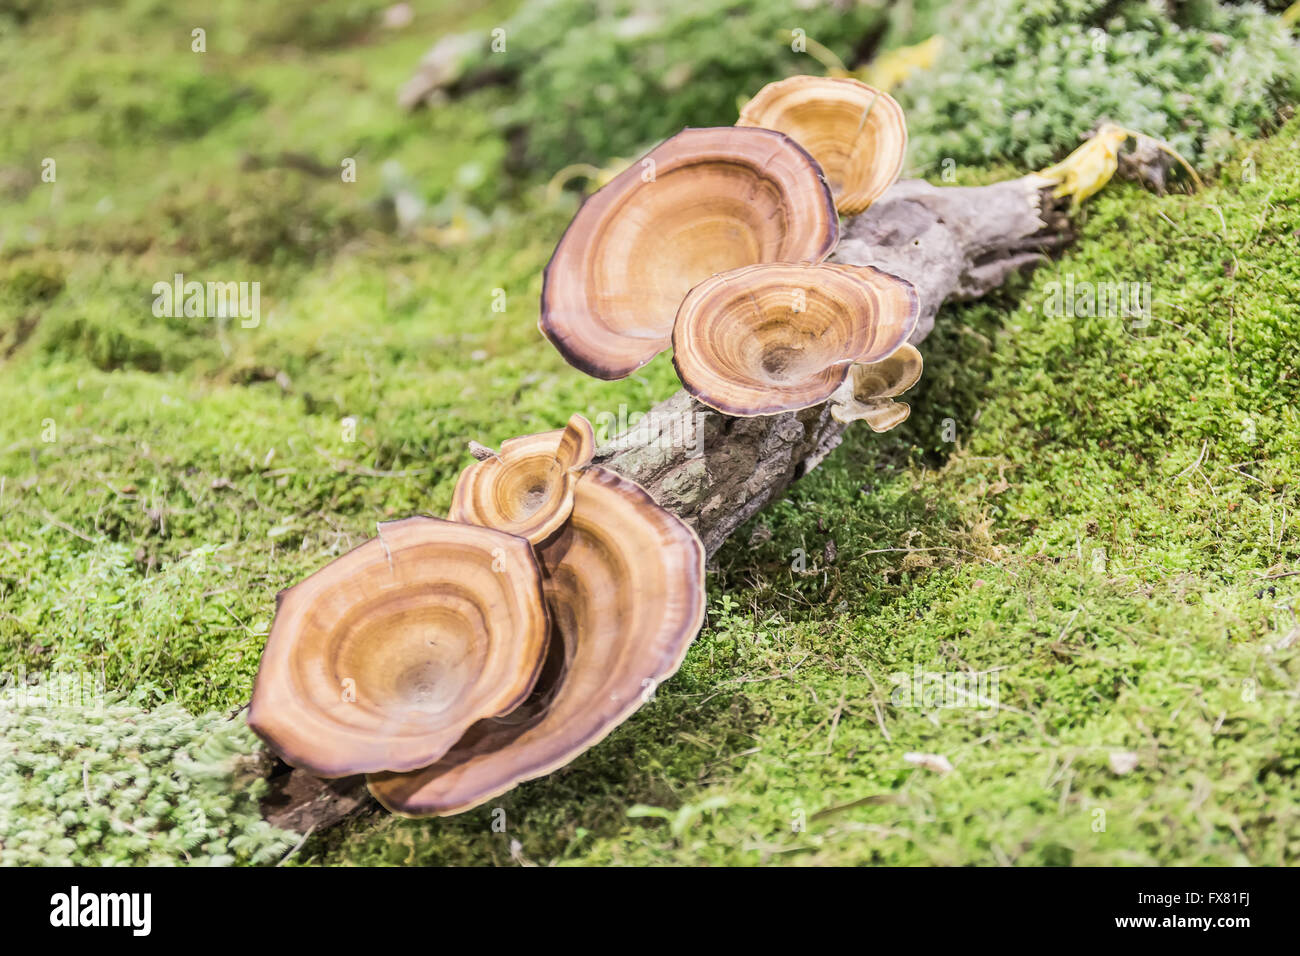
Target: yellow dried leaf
[{"x": 1088, "y": 168}]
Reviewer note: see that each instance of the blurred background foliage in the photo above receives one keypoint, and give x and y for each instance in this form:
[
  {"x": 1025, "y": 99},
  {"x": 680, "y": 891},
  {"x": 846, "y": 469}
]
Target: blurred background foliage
[{"x": 1016, "y": 81}]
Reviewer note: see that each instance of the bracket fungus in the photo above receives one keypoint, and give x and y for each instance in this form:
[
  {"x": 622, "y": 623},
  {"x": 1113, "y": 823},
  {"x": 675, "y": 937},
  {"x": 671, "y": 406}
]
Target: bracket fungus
[
  {"x": 855, "y": 132},
  {"x": 450, "y": 661},
  {"x": 625, "y": 584},
  {"x": 704, "y": 201},
  {"x": 618, "y": 587},
  {"x": 781, "y": 337},
  {"x": 869, "y": 392},
  {"x": 526, "y": 488},
  {"x": 382, "y": 659}
]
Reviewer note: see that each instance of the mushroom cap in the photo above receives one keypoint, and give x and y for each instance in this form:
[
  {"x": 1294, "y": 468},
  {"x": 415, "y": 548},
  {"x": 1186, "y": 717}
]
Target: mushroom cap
[
  {"x": 526, "y": 489},
  {"x": 704, "y": 201},
  {"x": 869, "y": 391},
  {"x": 625, "y": 581},
  {"x": 780, "y": 337},
  {"x": 383, "y": 658},
  {"x": 856, "y": 132}
]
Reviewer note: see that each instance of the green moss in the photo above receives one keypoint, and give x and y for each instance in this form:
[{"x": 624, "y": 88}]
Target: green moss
[{"x": 307, "y": 25}]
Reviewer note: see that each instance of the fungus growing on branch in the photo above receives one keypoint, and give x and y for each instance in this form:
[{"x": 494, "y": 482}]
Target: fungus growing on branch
[
  {"x": 383, "y": 658},
  {"x": 625, "y": 584},
  {"x": 527, "y": 488},
  {"x": 868, "y": 393},
  {"x": 855, "y": 132},
  {"x": 777, "y": 338},
  {"x": 702, "y": 202},
  {"x": 826, "y": 341}
]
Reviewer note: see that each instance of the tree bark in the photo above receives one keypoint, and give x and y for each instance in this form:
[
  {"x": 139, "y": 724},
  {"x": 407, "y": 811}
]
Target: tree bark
[{"x": 716, "y": 472}]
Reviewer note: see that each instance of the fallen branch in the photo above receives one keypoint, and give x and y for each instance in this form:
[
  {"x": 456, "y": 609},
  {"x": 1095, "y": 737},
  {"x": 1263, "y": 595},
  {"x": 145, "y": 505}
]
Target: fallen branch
[{"x": 951, "y": 243}]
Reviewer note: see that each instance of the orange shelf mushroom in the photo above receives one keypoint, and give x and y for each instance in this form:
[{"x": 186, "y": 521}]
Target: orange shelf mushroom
[
  {"x": 625, "y": 583},
  {"x": 526, "y": 488},
  {"x": 780, "y": 337},
  {"x": 869, "y": 392},
  {"x": 855, "y": 132},
  {"x": 702, "y": 202},
  {"x": 383, "y": 659}
]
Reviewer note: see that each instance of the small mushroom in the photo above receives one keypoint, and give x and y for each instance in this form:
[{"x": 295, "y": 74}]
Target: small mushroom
[
  {"x": 625, "y": 583},
  {"x": 526, "y": 489},
  {"x": 869, "y": 392},
  {"x": 780, "y": 337},
  {"x": 382, "y": 659},
  {"x": 704, "y": 201},
  {"x": 856, "y": 132}
]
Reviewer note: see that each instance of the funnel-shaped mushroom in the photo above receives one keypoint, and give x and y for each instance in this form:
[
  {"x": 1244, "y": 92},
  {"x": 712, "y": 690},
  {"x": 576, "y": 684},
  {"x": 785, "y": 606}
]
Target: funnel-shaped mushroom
[
  {"x": 625, "y": 582},
  {"x": 776, "y": 338},
  {"x": 705, "y": 201},
  {"x": 869, "y": 392},
  {"x": 526, "y": 489},
  {"x": 856, "y": 132},
  {"x": 382, "y": 659}
]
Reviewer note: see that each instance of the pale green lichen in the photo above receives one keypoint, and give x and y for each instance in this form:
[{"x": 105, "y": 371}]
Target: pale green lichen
[
  {"x": 1025, "y": 81},
  {"x": 86, "y": 779}
]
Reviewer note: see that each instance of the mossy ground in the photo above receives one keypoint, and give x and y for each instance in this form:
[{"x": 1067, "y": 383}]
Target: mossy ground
[{"x": 1106, "y": 533}]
